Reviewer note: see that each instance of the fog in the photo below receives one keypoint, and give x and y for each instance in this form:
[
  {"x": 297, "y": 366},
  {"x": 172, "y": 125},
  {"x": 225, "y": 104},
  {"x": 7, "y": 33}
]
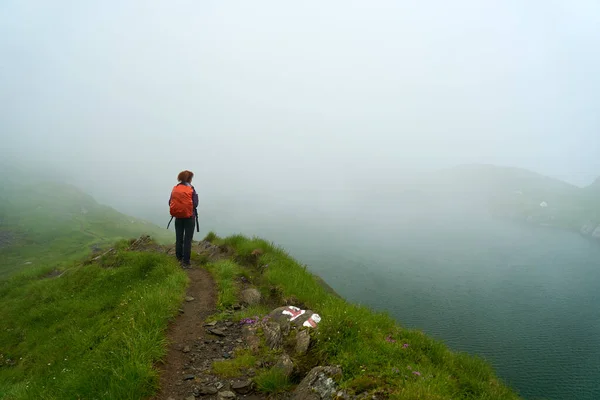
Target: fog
[{"x": 278, "y": 106}]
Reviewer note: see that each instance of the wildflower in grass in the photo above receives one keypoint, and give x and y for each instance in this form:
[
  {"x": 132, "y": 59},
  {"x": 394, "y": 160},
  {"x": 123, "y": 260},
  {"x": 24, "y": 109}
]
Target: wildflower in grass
[
  {"x": 405, "y": 345},
  {"x": 417, "y": 373},
  {"x": 389, "y": 339},
  {"x": 395, "y": 370},
  {"x": 248, "y": 321}
]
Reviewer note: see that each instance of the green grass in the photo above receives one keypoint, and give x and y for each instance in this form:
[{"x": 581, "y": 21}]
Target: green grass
[
  {"x": 243, "y": 359},
  {"x": 250, "y": 312},
  {"x": 226, "y": 273},
  {"x": 93, "y": 332},
  {"x": 273, "y": 381},
  {"x": 51, "y": 223},
  {"x": 375, "y": 353}
]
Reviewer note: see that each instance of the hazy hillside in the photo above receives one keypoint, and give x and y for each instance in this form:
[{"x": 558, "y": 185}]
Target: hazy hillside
[
  {"x": 46, "y": 222},
  {"x": 505, "y": 192}
]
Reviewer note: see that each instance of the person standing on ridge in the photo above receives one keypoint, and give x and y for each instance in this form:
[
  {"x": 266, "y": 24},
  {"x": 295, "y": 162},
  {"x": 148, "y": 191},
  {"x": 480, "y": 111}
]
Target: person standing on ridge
[{"x": 183, "y": 205}]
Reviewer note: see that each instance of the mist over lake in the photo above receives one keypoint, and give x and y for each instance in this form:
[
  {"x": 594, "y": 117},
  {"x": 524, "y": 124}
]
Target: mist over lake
[{"x": 523, "y": 297}]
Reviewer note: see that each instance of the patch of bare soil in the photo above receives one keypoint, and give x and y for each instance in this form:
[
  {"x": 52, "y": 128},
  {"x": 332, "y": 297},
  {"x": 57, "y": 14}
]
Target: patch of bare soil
[{"x": 186, "y": 333}]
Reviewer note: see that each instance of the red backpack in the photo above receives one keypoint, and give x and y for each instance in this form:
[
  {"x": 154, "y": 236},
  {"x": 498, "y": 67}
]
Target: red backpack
[{"x": 181, "y": 204}]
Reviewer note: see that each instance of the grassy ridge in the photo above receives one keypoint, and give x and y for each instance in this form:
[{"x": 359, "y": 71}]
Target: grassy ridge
[
  {"x": 375, "y": 353},
  {"x": 92, "y": 333},
  {"x": 49, "y": 223}
]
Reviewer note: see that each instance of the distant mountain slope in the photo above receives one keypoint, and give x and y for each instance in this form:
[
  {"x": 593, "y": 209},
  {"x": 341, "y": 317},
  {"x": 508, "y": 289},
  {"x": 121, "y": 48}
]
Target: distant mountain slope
[
  {"x": 528, "y": 196},
  {"x": 48, "y": 222},
  {"x": 497, "y": 178},
  {"x": 594, "y": 188},
  {"x": 474, "y": 190}
]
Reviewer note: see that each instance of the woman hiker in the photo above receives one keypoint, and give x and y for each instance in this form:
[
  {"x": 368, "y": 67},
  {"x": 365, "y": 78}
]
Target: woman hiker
[{"x": 183, "y": 205}]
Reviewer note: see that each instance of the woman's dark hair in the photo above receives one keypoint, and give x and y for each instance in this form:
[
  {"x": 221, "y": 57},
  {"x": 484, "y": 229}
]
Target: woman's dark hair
[{"x": 185, "y": 176}]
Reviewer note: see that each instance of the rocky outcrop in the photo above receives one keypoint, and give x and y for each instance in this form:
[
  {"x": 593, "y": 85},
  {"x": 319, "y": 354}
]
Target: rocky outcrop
[
  {"x": 273, "y": 335},
  {"x": 294, "y": 316},
  {"x": 319, "y": 384},
  {"x": 302, "y": 342},
  {"x": 285, "y": 364}
]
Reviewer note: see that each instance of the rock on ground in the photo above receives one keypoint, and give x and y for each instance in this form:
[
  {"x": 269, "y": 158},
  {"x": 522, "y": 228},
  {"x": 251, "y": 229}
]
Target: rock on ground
[
  {"x": 250, "y": 296},
  {"x": 226, "y": 394},
  {"x": 207, "y": 390},
  {"x": 285, "y": 364},
  {"x": 241, "y": 386},
  {"x": 302, "y": 342},
  {"x": 273, "y": 336},
  {"x": 291, "y": 315},
  {"x": 319, "y": 384}
]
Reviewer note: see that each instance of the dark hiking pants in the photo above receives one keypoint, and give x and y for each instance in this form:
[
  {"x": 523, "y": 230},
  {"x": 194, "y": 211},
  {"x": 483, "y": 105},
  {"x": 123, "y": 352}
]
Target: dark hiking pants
[{"x": 184, "y": 232}]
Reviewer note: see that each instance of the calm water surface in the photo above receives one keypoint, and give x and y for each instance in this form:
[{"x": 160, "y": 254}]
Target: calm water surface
[{"x": 526, "y": 299}]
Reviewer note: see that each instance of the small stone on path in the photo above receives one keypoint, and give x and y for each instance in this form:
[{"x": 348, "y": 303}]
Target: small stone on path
[
  {"x": 189, "y": 298},
  {"x": 217, "y": 332},
  {"x": 226, "y": 395},
  {"x": 206, "y": 390},
  {"x": 242, "y": 386},
  {"x": 188, "y": 377},
  {"x": 186, "y": 349}
]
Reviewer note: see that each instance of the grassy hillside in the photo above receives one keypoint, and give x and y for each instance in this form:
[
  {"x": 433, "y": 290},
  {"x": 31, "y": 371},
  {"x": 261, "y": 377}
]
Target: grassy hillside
[
  {"x": 97, "y": 329},
  {"x": 518, "y": 194},
  {"x": 92, "y": 332},
  {"x": 378, "y": 357},
  {"x": 94, "y": 328},
  {"x": 44, "y": 223}
]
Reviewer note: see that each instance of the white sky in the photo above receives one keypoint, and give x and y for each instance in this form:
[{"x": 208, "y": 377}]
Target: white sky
[{"x": 270, "y": 94}]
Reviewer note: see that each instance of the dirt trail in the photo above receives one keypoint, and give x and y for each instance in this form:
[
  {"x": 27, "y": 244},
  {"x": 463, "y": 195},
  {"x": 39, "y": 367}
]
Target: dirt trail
[{"x": 186, "y": 330}]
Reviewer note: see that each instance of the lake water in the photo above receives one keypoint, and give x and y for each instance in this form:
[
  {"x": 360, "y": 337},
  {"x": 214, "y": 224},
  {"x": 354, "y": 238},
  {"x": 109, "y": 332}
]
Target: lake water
[{"x": 526, "y": 299}]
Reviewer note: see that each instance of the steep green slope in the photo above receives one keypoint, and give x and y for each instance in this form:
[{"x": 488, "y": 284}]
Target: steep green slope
[
  {"x": 43, "y": 223},
  {"x": 379, "y": 358}
]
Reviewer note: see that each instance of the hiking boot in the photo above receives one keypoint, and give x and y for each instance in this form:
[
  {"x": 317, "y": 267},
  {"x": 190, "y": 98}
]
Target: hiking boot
[{"x": 186, "y": 265}]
